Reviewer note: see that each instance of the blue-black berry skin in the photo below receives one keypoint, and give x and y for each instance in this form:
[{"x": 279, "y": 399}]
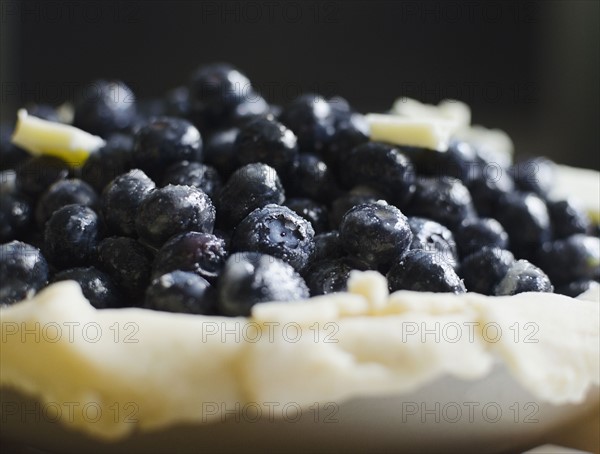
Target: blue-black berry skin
[
  {"x": 250, "y": 187},
  {"x": 534, "y": 175},
  {"x": 110, "y": 161},
  {"x": 278, "y": 231},
  {"x": 328, "y": 246},
  {"x": 215, "y": 90},
  {"x": 97, "y": 287},
  {"x": 474, "y": 234},
  {"x": 523, "y": 276},
  {"x": 458, "y": 161},
  {"x": 165, "y": 141},
  {"x": 62, "y": 193},
  {"x": 433, "y": 237},
  {"x": 308, "y": 176},
  {"x": 194, "y": 174},
  {"x": 128, "y": 263},
  {"x": 331, "y": 275},
  {"x": 200, "y": 253},
  {"x": 381, "y": 167},
  {"x": 350, "y": 132},
  {"x": 71, "y": 236},
  {"x": 177, "y": 102},
  {"x": 11, "y": 156},
  {"x": 219, "y": 151},
  {"x": 525, "y": 218},
  {"x": 423, "y": 271},
  {"x": 267, "y": 141},
  {"x": 312, "y": 211},
  {"x": 567, "y": 218},
  {"x": 345, "y": 202},
  {"x": 121, "y": 199},
  {"x": 36, "y": 174},
  {"x": 250, "y": 278},
  {"x": 574, "y": 258},
  {"x": 376, "y": 233},
  {"x": 23, "y": 271},
  {"x": 576, "y": 288},
  {"x": 171, "y": 210},
  {"x": 15, "y": 216},
  {"x": 105, "y": 107},
  {"x": 442, "y": 199},
  {"x": 179, "y": 291},
  {"x": 313, "y": 121},
  {"x": 483, "y": 270},
  {"x": 489, "y": 187}
]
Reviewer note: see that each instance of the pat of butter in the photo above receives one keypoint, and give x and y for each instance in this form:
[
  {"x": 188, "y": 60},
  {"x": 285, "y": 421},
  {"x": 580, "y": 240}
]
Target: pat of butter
[
  {"x": 414, "y": 132},
  {"x": 450, "y": 110},
  {"x": 42, "y": 137}
]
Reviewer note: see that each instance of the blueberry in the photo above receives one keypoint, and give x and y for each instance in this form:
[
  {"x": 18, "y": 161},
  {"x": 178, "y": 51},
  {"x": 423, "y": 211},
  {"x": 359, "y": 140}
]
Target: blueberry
[
  {"x": 10, "y": 155},
  {"x": 349, "y": 132},
  {"x": 220, "y": 153},
  {"x": 23, "y": 271},
  {"x": 488, "y": 188},
  {"x": 433, "y": 237},
  {"x": 201, "y": 253},
  {"x": 458, "y": 161},
  {"x": 381, "y": 167},
  {"x": 194, "y": 174},
  {"x": 179, "y": 291},
  {"x": 534, "y": 175},
  {"x": 177, "y": 102},
  {"x": 105, "y": 107},
  {"x": 376, "y": 233},
  {"x": 483, "y": 270},
  {"x": 215, "y": 91},
  {"x": 165, "y": 141},
  {"x": 574, "y": 258},
  {"x": 312, "y": 120},
  {"x": 423, "y": 271},
  {"x": 110, "y": 161},
  {"x": 328, "y": 246},
  {"x": 15, "y": 216},
  {"x": 96, "y": 286},
  {"x": 62, "y": 193},
  {"x": 331, "y": 275},
  {"x": 312, "y": 211},
  {"x": 127, "y": 262},
  {"x": 341, "y": 205},
  {"x": 171, "y": 210},
  {"x": 308, "y": 176},
  {"x": 250, "y": 187},
  {"x": 122, "y": 198},
  {"x": 71, "y": 236},
  {"x": 575, "y": 288},
  {"x": 250, "y": 278},
  {"x": 473, "y": 234},
  {"x": 525, "y": 218},
  {"x": 567, "y": 218},
  {"x": 442, "y": 199},
  {"x": 267, "y": 141},
  {"x": 277, "y": 231},
  {"x": 523, "y": 276},
  {"x": 253, "y": 107},
  {"x": 36, "y": 174}
]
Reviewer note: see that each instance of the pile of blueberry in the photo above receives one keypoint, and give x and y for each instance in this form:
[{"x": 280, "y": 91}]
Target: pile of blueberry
[{"x": 211, "y": 200}]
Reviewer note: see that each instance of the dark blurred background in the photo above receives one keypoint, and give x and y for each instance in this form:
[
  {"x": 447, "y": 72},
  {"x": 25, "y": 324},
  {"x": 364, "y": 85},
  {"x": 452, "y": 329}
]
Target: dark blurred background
[{"x": 531, "y": 68}]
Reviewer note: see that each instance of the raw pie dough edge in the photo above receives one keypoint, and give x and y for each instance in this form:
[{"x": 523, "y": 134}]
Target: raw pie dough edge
[{"x": 326, "y": 349}]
